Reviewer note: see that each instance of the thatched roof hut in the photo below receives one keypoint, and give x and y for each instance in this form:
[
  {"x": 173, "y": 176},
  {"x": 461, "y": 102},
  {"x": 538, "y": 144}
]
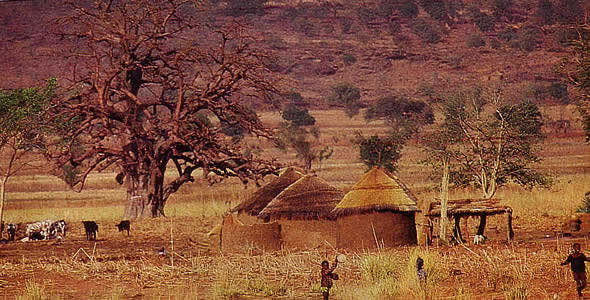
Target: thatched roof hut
[
  {"x": 258, "y": 201},
  {"x": 308, "y": 198},
  {"x": 376, "y": 191},
  {"x": 379, "y": 211},
  {"x": 302, "y": 210}
]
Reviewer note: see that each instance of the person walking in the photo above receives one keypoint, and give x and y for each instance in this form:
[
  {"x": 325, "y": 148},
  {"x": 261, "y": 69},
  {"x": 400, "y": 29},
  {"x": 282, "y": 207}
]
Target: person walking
[{"x": 577, "y": 261}]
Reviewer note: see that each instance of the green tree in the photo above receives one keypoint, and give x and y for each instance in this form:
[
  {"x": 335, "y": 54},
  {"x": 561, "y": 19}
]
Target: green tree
[
  {"x": 298, "y": 132},
  {"x": 404, "y": 116},
  {"x": 492, "y": 141},
  {"x": 579, "y": 75},
  {"x": 21, "y": 130},
  {"x": 379, "y": 151},
  {"x": 347, "y": 96}
]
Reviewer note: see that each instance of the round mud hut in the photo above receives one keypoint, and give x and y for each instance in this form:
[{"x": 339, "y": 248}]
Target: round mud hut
[
  {"x": 303, "y": 211},
  {"x": 379, "y": 211},
  {"x": 248, "y": 210}
]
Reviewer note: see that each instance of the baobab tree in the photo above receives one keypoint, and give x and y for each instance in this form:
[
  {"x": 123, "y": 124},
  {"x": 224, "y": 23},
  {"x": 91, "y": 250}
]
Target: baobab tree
[{"x": 154, "y": 87}]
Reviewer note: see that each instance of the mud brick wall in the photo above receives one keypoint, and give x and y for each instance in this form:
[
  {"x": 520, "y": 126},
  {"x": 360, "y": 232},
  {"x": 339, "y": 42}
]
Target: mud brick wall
[
  {"x": 236, "y": 238},
  {"x": 390, "y": 229},
  {"x": 308, "y": 234}
]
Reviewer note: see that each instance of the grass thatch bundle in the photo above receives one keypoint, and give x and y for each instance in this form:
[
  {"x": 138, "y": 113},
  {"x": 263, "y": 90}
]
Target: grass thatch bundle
[
  {"x": 258, "y": 201},
  {"x": 376, "y": 191},
  {"x": 308, "y": 198},
  {"x": 470, "y": 207}
]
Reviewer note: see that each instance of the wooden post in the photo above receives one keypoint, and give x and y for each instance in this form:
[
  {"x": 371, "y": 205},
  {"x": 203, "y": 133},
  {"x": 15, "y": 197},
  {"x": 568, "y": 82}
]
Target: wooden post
[
  {"x": 509, "y": 223},
  {"x": 482, "y": 224},
  {"x": 457, "y": 229}
]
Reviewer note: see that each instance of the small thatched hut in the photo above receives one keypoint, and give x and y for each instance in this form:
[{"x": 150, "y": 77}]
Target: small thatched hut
[
  {"x": 302, "y": 209},
  {"x": 378, "y": 211},
  {"x": 248, "y": 210}
]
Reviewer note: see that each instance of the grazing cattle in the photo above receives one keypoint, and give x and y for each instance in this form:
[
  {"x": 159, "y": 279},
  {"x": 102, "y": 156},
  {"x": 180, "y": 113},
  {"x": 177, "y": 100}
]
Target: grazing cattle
[
  {"x": 91, "y": 228},
  {"x": 11, "y": 230},
  {"x": 479, "y": 239},
  {"x": 58, "y": 227},
  {"x": 40, "y": 230},
  {"x": 124, "y": 225}
]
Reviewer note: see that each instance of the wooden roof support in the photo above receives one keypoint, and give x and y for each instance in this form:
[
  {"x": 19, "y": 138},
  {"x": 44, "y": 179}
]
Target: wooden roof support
[{"x": 509, "y": 224}]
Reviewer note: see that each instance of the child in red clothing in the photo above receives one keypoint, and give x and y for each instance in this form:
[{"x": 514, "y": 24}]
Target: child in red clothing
[
  {"x": 327, "y": 276},
  {"x": 577, "y": 260}
]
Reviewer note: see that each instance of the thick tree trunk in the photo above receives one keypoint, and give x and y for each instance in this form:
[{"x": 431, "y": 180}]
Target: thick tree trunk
[{"x": 144, "y": 197}]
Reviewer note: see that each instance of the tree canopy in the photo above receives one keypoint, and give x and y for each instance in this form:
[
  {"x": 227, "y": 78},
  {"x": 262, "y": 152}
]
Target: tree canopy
[
  {"x": 490, "y": 140},
  {"x": 154, "y": 86}
]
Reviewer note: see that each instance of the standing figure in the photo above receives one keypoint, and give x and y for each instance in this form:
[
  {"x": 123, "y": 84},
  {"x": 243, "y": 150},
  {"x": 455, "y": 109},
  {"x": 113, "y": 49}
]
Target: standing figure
[
  {"x": 421, "y": 272},
  {"x": 327, "y": 276},
  {"x": 577, "y": 261}
]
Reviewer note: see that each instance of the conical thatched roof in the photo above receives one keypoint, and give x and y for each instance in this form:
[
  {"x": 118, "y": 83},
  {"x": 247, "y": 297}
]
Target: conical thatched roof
[
  {"x": 376, "y": 191},
  {"x": 264, "y": 195},
  {"x": 308, "y": 198}
]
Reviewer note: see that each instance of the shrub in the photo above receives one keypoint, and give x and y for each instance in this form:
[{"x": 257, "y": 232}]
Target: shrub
[
  {"x": 528, "y": 38},
  {"x": 425, "y": 31},
  {"x": 302, "y": 25},
  {"x": 377, "y": 267},
  {"x": 558, "y": 91},
  {"x": 436, "y": 9},
  {"x": 348, "y": 96},
  {"x": 366, "y": 15},
  {"x": 585, "y": 206},
  {"x": 244, "y": 7},
  {"x": 484, "y": 22},
  {"x": 345, "y": 25},
  {"x": 394, "y": 27},
  {"x": 569, "y": 11},
  {"x": 455, "y": 61},
  {"x": 507, "y": 34},
  {"x": 475, "y": 41},
  {"x": 545, "y": 12},
  {"x": 502, "y": 8},
  {"x": 495, "y": 44},
  {"x": 408, "y": 8},
  {"x": 348, "y": 59}
]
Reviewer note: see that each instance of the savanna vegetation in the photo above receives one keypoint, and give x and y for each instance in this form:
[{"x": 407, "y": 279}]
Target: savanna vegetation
[{"x": 168, "y": 103}]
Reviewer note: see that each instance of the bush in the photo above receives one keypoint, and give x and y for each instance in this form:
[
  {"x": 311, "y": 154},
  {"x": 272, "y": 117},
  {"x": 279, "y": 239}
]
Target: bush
[
  {"x": 302, "y": 25},
  {"x": 502, "y": 8},
  {"x": 366, "y": 15},
  {"x": 495, "y": 44},
  {"x": 528, "y": 39},
  {"x": 408, "y": 8},
  {"x": 345, "y": 25},
  {"x": 475, "y": 41},
  {"x": 455, "y": 61},
  {"x": 436, "y": 9},
  {"x": 237, "y": 8},
  {"x": 545, "y": 12},
  {"x": 348, "y": 59},
  {"x": 585, "y": 206},
  {"x": 348, "y": 96},
  {"x": 484, "y": 22},
  {"x": 425, "y": 31},
  {"x": 394, "y": 27},
  {"x": 507, "y": 35},
  {"x": 569, "y": 11}
]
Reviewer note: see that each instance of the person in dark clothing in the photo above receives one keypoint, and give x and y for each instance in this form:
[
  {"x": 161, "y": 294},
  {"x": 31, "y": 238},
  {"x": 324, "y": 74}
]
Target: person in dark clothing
[
  {"x": 421, "y": 272},
  {"x": 577, "y": 261},
  {"x": 327, "y": 276}
]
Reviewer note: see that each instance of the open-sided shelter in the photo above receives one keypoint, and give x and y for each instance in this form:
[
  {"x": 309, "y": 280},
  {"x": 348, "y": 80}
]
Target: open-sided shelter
[
  {"x": 379, "y": 211},
  {"x": 464, "y": 208},
  {"x": 303, "y": 211},
  {"x": 249, "y": 209}
]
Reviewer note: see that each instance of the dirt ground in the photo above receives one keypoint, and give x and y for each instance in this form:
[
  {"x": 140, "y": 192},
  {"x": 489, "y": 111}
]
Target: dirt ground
[{"x": 120, "y": 266}]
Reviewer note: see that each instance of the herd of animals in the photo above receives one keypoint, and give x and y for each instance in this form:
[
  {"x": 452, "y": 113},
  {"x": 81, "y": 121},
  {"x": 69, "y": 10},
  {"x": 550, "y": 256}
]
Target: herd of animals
[{"x": 49, "y": 230}]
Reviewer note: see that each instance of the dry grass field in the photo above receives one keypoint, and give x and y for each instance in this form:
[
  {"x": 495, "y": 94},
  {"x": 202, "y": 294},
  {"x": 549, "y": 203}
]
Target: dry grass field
[{"x": 117, "y": 266}]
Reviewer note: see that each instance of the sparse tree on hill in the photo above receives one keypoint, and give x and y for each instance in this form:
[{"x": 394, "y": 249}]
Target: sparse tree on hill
[
  {"x": 21, "y": 131},
  {"x": 155, "y": 87},
  {"x": 299, "y": 133},
  {"x": 347, "y": 96}
]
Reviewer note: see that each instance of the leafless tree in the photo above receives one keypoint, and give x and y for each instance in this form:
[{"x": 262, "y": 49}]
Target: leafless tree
[{"x": 152, "y": 88}]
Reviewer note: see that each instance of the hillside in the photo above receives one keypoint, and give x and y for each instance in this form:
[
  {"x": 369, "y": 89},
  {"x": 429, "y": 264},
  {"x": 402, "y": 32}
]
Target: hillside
[{"x": 320, "y": 43}]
